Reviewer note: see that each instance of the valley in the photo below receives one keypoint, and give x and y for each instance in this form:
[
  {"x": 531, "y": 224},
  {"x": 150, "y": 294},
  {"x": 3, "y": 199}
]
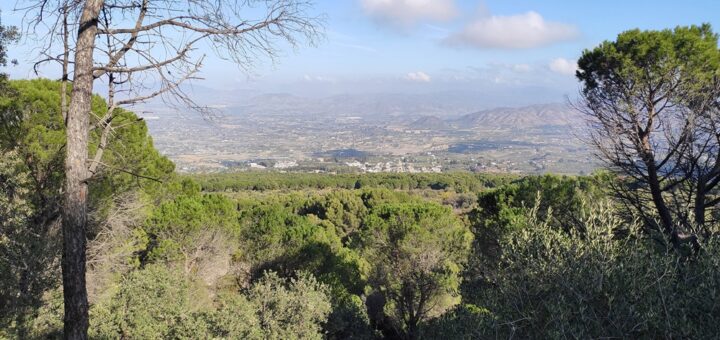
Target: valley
[{"x": 385, "y": 134}]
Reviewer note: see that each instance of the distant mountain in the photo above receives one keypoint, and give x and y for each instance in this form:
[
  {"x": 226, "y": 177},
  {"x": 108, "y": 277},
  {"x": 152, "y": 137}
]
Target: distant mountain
[
  {"x": 522, "y": 117},
  {"x": 379, "y": 106},
  {"x": 274, "y": 104},
  {"x": 429, "y": 123}
]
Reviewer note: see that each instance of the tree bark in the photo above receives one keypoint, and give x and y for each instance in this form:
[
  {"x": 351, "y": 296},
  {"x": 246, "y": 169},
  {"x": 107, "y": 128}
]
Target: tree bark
[
  {"x": 655, "y": 187},
  {"x": 658, "y": 200},
  {"x": 74, "y": 214}
]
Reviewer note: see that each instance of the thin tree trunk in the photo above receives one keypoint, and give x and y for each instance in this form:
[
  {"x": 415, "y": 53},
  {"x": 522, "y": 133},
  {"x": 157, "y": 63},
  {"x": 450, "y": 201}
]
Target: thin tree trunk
[
  {"x": 655, "y": 188},
  {"x": 76, "y": 175},
  {"x": 659, "y": 202}
]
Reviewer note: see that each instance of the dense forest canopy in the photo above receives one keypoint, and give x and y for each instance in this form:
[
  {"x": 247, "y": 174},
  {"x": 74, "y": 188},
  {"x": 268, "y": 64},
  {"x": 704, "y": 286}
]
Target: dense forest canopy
[{"x": 270, "y": 255}]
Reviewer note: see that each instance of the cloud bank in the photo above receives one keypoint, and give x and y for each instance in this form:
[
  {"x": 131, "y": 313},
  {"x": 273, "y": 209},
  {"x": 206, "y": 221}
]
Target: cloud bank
[
  {"x": 408, "y": 12},
  {"x": 527, "y": 30}
]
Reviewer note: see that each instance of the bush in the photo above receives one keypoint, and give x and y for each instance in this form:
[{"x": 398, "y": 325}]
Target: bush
[
  {"x": 465, "y": 321},
  {"x": 160, "y": 303},
  {"x": 294, "y": 310},
  {"x": 561, "y": 201},
  {"x": 349, "y": 319},
  {"x": 597, "y": 284},
  {"x": 149, "y": 304}
]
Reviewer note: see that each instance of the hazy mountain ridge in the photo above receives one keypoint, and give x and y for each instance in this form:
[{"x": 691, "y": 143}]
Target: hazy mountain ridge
[
  {"x": 522, "y": 117},
  {"x": 433, "y": 111},
  {"x": 444, "y": 105},
  {"x": 429, "y": 123},
  {"x": 525, "y": 117},
  {"x": 377, "y": 106}
]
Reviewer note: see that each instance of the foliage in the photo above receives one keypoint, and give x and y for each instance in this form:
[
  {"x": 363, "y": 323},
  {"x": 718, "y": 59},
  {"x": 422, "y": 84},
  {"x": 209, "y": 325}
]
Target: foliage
[
  {"x": 343, "y": 209},
  {"x": 131, "y": 161},
  {"x": 349, "y": 319},
  {"x": 417, "y": 252},
  {"x": 32, "y": 139},
  {"x": 8, "y": 35},
  {"x": 559, "y": 269},
  {"x": 459, "y": 181},
  {"x": 156, "y": 302},
  {"x": 561, "y": 200},
  {"x": 176, "y": 224},
  {"x": 295, "y": 311},
  {"x": 554, "y": 283},
  {"x": 149, "y": 304},
  {"x": 275, "y": 238},
  {"x": 32, "y": 123},
  {"x": 25, "y": 256},
  {"x": 464, "y": 321}
]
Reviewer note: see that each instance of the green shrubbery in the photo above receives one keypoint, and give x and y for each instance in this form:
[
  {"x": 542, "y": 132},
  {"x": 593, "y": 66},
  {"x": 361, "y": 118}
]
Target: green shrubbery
[
  {"x": 219, "y": 247},
  {"x": 261, "y": 180},
  {"x": 367, "y": 256},
  {"x": 160, "y": 303},
  {"x": 591, "y": 283}
]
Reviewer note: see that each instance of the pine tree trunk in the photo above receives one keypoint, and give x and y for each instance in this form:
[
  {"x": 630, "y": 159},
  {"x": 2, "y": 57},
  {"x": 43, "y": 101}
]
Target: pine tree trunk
[
  {"x": 74, "y": 214},
  {"x": 653, "y": 180}
]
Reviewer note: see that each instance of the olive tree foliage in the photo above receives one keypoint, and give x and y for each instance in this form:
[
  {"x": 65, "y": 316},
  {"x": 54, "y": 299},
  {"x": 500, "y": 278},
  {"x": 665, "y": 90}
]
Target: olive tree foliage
[
  {"x": 140, "y": 50},
  {"x": 156, "y": 303},
  {"x": 562, "y": 200},
  {"x": 651, "y": 98},
  {"x": 592, "y": 284}
]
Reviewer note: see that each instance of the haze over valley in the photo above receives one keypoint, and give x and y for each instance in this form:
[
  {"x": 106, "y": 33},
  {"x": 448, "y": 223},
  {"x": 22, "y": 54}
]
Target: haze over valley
[{"x": 372, "y": 133}]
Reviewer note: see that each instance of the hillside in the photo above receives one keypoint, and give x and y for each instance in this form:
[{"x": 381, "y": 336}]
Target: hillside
[
  {"x": 429, "y": 123},
  {"x": 522, "y": 117}
]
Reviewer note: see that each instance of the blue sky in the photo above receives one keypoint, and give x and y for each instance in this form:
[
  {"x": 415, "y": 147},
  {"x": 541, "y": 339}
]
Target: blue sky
[{"x": 446, "y": 45}]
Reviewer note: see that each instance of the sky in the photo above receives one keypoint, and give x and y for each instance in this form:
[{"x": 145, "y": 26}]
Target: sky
[{"x": 508, "y": 47}]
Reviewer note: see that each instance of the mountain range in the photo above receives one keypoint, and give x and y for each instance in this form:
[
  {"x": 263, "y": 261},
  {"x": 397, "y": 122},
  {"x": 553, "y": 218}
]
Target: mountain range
[
  {"x": 522, "y": 117},
  {"x": 525, "y": 117}
]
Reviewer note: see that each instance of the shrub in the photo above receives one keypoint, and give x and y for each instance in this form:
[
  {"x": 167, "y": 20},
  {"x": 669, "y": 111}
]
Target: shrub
[
  {"x": 597, "y": 284},
  {"x": 160, "y": 303}
]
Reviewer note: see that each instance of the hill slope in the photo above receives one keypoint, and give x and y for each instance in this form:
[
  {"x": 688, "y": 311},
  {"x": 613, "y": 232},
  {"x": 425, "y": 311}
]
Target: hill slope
[{"x": 522, "y": 117}]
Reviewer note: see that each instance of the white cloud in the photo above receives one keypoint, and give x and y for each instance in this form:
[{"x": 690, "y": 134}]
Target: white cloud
[
  {"x": 563, "y": 66},
  {"x": 408, "y": 12},
  {"x": 527, "y": 30},
  {"x": 419, "y": 76}
]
